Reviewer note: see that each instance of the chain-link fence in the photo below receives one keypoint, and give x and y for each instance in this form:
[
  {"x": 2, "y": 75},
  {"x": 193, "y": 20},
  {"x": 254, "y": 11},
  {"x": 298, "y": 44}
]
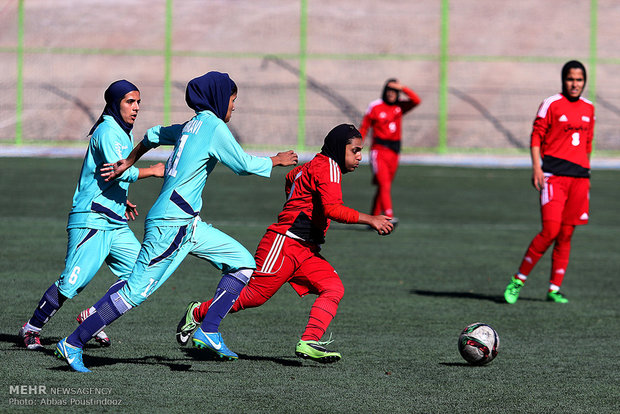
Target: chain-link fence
[{"x": 481, "y": 67}]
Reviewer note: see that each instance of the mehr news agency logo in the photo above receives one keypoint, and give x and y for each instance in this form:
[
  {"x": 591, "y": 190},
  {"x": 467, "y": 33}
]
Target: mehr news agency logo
[{"x": 42, "y": 395}]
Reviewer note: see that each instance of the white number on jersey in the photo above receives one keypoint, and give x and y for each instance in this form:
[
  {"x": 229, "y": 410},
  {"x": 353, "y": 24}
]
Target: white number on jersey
[
  {"x": 173, "y": 163},
  {"x": 149, "y": 288},
  {"x": 74, "y": 275}
]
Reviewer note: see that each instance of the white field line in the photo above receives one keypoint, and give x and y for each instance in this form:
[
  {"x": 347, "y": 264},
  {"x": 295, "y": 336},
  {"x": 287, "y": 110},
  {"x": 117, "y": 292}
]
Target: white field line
[{"x": 456, "y": 160}]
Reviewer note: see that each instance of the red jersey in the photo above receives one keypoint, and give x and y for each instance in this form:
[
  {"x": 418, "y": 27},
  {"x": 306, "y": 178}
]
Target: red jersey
[
  {"x": 564, "y": 130},
  {"x": 313, "y": 198},
  {"x": 385, "y": 120}
]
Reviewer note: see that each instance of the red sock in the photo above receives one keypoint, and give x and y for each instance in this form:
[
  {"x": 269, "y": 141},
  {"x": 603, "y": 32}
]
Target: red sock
[
  {"x": 249, "y": 298},
  {"x": 561, "y": 254},
  {"x": 539, "y": 246},
  {"x": 201, "y": 311},
  {"x": 323, "y": 311}
]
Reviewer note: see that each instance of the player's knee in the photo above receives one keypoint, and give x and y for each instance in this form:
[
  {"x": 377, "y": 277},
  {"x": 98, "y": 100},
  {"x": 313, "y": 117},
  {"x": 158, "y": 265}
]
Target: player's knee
[
  {"x": 244, "y": 261},
  {"x": 68, "y": 290},
  {"x": 550, "y": 230},
  {"x": 131, "y": 296},
  {"x": 334, "y": 291},
  {"x": 67, "y": 293},
  {"x": 565, "y": 234},
  {"x": 242, "y": 275}
]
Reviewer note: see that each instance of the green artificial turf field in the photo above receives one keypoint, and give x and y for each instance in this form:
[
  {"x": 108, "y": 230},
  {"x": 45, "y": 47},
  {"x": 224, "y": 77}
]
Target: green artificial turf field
[{"x": 408, "y": 295}]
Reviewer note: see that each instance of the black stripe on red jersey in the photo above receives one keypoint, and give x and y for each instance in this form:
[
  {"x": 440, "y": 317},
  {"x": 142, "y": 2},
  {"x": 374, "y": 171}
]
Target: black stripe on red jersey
[
  {"x": 302, "y": 228},
  {"x": 388, "y": 143},
  {"x": 558, "y": 166}
]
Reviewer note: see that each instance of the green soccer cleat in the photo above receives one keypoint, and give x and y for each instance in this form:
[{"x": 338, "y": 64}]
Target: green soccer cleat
[
  {"x": 71, "y": 355},
  {"x": 511, "y": 294},
  {"x": 188, "y": 324},
  {"x": 556, "y": 296},
  {"x": 316, "y": 351}
]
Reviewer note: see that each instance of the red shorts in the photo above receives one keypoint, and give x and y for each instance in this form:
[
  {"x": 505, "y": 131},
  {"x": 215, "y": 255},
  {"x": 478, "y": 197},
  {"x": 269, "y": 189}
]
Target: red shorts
[
  {"x": 281, "y": 259},
  {"x": 384, "y": 164},
  {"x": 565, "y": 200}
]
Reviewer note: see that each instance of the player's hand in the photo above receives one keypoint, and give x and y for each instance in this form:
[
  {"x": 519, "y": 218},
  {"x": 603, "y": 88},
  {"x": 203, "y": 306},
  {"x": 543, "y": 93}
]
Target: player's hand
[
  {"x": 131, "y": 211},
  {"x": 158, "y": 169},
  {"x": 395, "y": 85},
  {"x": 114, "y": 170},
  {"x": 382, "y": 224},
  {"x": 538, "y": 179},
  {"x": 285, "y": 159}
]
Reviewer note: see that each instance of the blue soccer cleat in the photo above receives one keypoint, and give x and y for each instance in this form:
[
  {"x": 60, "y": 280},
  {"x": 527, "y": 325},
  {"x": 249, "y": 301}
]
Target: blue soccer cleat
[
  {"x": 71, "y": 354},
  {"x": 213, "y": 341}
]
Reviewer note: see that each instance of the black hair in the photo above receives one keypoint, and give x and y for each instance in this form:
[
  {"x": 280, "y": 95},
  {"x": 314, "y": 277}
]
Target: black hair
[
  {"x": 572, "y": 64},
  {"x": 386, "y": 88}
]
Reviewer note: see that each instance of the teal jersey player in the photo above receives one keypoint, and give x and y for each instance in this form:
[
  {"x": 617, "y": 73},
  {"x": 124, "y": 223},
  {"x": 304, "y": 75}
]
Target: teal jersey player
[
  {"x": 98, "y": 204},
  {"x": 200, "y": 144},
  {"x": 173, "y": 228},
  {"x": 97, "y": 225}
]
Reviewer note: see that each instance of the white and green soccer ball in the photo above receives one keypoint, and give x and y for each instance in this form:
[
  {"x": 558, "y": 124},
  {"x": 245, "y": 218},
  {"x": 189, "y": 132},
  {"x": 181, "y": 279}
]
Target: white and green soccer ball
[{"x": 478, "y": 343}]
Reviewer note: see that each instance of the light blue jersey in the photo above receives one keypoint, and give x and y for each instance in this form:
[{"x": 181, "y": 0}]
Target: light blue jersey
[
  {"x": 97, "y": 228},
  {"x": 199, "y": 144},
  {"x": 173, "y": 228},
  {"x": 98, "y": 204}
]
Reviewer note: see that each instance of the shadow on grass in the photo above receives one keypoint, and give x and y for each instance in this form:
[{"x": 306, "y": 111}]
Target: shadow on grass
[
  {"x": 47, "y": 341},
  {"x": 93, "y": 361},
  {"x": 172, "y": 363},
  {"x": 49, "y": 344},
  {"x": 205, "y": 355},
  {"x": 282, "y": 361},
  {"x": 466, "y": 295},
  {"x": 460, "y": 364},
  {"x": 13, "y": 343}
]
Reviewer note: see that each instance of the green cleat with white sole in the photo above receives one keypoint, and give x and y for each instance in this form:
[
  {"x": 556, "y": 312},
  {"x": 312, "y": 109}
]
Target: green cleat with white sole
[
  {"x": 315, "y": 351},
  {"x": 511, "y": 294}
]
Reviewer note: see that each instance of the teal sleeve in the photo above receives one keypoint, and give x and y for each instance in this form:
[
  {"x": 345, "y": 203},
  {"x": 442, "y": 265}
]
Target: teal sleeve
[
  {"x": 159, "y": 135},
  {"x": 111, "y": 146},
  {"x": 225, "y": 148}
]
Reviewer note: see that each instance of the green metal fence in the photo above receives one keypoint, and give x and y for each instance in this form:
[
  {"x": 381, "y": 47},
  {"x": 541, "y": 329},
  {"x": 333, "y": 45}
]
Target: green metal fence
[{"x": 453, "y": 109}]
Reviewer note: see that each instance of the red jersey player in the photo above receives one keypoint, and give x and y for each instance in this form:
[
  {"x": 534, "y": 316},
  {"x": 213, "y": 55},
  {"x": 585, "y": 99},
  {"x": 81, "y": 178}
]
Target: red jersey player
[
  {"x": 562, "y": 138},
  {"x": 384, "y": 117},
  {"x": 289, "y": 250}
]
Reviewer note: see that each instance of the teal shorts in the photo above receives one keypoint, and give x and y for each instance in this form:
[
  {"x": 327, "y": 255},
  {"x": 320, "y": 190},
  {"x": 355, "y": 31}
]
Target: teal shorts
[
  {"x": 87, "y": 249},
  {"x": 165, "y": 247}
]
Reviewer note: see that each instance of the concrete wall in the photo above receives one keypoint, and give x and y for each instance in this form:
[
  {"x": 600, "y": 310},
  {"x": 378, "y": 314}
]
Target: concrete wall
[{"x": 505, "y": 58}]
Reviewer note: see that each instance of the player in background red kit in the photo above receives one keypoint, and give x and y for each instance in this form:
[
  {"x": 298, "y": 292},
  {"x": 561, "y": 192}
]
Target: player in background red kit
[
  {"x": 562, "y": 138},
  {"x": 289, "y": 250},
  {"x": 384, "y": 117}
]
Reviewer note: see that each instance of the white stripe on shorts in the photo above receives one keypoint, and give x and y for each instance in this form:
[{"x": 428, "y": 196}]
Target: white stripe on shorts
[{"x": 273, "y": 254}]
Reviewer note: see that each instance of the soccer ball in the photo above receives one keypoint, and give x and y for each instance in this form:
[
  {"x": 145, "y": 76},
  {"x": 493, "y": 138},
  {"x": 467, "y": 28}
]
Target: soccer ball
[{"x": 478, "y": 343}]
